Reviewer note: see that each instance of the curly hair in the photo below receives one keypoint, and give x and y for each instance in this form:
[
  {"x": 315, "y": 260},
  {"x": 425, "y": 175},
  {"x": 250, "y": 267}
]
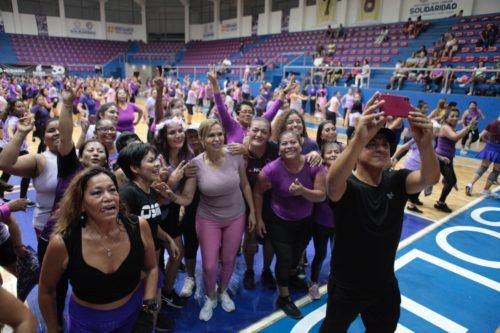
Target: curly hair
[{"x": 280, "y": 124}]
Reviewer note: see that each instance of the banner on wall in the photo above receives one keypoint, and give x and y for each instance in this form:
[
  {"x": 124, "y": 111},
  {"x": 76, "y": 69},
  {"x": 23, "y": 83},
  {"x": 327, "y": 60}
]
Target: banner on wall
[
  {"x": 208, "y": 30},
  {"x": 229, "y": 26},
  {"x": 2, "y": 27},
  {"x": 324, "y": 11},
  {"x": 38, "y": 70},
  {"x": 255, "y": 24},
  {"x": 369, "y": 10},
  {"x": 41, "y": 25},
  {"x": 82, "y": 28},
  {"x": 434, "y": 9},
  {"x": 120, "y": 30},
  {"x": 285, "y": 20}
]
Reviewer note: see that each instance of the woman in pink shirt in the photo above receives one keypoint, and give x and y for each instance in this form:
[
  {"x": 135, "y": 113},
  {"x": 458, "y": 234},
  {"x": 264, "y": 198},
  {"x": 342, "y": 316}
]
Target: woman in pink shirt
[{"x": 220, "y": 219}]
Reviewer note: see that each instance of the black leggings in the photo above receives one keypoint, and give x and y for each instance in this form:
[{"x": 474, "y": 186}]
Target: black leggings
[
  {"x": 450, "y": 179},
  {"x": 25, "y": 182},
  {"x": 289, "y": 240},
  {"x": 321, "y": 235},
  {"x": 473, "y": 134}
]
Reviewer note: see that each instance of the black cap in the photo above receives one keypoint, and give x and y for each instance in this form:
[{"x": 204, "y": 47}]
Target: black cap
[{"x": 391, "y": 138}]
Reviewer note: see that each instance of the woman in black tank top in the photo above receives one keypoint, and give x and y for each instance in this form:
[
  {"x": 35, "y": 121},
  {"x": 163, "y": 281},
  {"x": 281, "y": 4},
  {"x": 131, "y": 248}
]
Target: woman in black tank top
[{"x": 103, "y": 251}]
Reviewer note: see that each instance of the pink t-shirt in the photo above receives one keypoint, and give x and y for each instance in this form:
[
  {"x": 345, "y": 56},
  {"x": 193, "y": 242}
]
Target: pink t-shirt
[{"x": 221, "y": 198}]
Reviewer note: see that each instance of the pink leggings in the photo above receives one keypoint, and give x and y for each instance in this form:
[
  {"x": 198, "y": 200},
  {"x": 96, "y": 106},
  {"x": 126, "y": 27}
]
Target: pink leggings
[{"x": 219, "y": 239}]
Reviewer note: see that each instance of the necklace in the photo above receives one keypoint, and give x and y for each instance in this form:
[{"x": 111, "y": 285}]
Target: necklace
[{"x": 108, "y": 250}]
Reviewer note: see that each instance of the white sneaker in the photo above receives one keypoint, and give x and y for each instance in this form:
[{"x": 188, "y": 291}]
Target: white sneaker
[
  {"x": 486, "y": 192},
  {"x": 463, "y": 152},
  {"x": 188, "y": 287},
  {"x": 226, "y": 302},
  {"x": 208, "y": 309}
]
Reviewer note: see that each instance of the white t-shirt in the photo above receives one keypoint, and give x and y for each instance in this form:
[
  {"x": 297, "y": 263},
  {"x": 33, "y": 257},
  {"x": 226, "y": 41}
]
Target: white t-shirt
[{"x": 191, "y": 98}]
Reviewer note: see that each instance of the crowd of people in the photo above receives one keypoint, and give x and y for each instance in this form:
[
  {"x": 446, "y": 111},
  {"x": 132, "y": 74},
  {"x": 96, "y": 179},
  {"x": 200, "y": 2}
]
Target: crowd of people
[{"x": 108, "y": 205}]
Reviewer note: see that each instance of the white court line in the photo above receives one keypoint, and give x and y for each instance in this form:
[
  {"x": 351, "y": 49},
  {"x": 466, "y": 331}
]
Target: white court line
[
  {"x": 277, "y": 315},
  {"x": 431, "y": 316}
]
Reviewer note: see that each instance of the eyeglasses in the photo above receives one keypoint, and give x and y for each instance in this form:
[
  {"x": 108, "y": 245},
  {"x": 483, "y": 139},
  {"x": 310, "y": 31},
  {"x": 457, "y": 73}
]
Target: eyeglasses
[{"x": 106, "y": 129}]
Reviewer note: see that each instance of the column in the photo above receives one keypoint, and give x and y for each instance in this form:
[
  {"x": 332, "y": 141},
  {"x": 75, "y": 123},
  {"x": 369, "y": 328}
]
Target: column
[
  {"x": 102, "y": 12},
  {"x": 187, "y": 30},
  {"x": 142, "y": 3},
  {"x": 239, "y": 16},
  {"x": 216, "y": 18},
  {"x": 17, "y": 18},
  {"x": 267, "y": 14},
  {"x": 62, "y": 15}
]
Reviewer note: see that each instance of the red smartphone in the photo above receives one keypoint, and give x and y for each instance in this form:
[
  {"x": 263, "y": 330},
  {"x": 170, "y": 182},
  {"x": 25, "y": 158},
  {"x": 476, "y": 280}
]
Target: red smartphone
[{"x": 396, "y": 106}]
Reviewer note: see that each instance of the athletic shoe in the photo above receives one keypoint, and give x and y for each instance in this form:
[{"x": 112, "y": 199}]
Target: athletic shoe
[
  {"x": 418, "y": 202},
  {"x": 301, "y": 273},
  {"x": 314, "y": 290},
  {"x": 463, "y": 152},
  {"x": 298, "y": 283},
  {"x": 267, "y": 279},
  {"x": 490, "y": 194},
  {"x": 248, "y": 280},
  {"x": 414, "y": 209},
  {"x": 468, "y": 190},
  {"x": 442, "y": 207},
  {"x": 226, "y": 302},
  {"x": 188, "y": 287},
  {"x": 173, "y": 300},
  {"x": 289, "y": 307},
  {"x": 164, "y": 323},
  {"x": 208, "y": 309}
]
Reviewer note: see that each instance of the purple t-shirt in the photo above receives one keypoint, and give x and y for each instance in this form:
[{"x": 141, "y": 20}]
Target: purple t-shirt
[
  {"x": 12, "y": 91},
  {"x": 11, "y": 121},
  {"x": 41, "y": 115},
  {"x": 284, "y": 204},
  {"x": 221, "y": 198},
  {"x": 126, "y": 118},
  {"x": 234, "y": 130},
  {"x": 88, "y": 103}
]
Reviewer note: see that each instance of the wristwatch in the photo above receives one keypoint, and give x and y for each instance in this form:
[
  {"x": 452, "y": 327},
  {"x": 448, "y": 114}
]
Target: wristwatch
[{"x": 150, "y": 305}]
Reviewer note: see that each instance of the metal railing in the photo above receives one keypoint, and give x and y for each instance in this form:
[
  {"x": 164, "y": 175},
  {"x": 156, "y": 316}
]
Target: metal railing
[{"x": 322, "y": 70}]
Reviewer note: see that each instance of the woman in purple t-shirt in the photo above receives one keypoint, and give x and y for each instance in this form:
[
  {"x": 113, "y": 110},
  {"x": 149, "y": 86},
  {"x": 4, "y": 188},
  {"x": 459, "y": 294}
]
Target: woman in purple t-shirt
[
  {"x": 126, "y": 112},
  {"x": 220, "y": 219},
  {"x": 294, "y": 186}
]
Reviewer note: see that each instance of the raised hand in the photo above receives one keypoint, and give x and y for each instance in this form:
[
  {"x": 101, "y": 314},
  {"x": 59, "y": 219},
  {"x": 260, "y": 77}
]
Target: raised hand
[
  {"x": 370, "y": 122},
  {"x": 68, "y": 95},
  {"x": 25, "y": 124},
  {"x": 158, "y": 83},
  {"x": 421, "y": 127}
]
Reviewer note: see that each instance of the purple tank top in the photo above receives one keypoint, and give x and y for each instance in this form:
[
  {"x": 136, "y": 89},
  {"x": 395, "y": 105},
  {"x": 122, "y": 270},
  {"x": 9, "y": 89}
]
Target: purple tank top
[{"x": 445, "y": 147}]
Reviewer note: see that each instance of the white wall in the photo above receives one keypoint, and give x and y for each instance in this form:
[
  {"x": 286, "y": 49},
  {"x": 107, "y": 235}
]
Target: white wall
[
  {"x": 8, "y": 22},
  {"x": 296, "y": 18},
  {"x": 54, "y": 26},
  {"x": 246, "y": 26},
  {"x": 28, "y": 24},
  {"x": 263, "y": 26},
  {"x": 485, "y": 7},
  {"x": 275, "y": 23}
]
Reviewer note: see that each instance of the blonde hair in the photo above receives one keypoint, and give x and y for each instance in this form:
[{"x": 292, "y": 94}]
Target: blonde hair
[{"x": 206, "y": 126}]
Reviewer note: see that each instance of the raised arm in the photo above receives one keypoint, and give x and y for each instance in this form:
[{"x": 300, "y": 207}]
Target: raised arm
[
  {"x": 66, "y": 122},
  {"x": 227, "y": 121},
  {"x": 29, "y": 165},
  {"x": 428, "y": 174},
  {"x": 158, "y": 85},
  {"x": 273, "y": 110},
  {"x": 367, "y": 127}
]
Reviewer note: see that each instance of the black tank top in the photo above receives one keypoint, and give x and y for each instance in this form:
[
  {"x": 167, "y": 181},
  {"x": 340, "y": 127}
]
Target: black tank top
[{"x": 93, "y": 286}]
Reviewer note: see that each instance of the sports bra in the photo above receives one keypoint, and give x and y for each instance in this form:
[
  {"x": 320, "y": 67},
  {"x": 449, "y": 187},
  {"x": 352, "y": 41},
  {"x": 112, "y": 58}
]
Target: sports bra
[{"x": 92, "y": 285}]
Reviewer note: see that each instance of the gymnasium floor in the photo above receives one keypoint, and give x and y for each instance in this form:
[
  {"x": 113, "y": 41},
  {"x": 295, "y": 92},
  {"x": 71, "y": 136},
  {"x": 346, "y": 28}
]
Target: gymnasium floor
[{"x": 448, "y": 268}]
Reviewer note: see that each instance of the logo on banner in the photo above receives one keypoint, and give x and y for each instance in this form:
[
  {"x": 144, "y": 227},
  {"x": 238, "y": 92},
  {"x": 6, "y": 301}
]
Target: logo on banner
[
  {"x": 87, "y": 29},
  {"x": 229, "y": 27},
  {"x": 208, "y": 30},
  {"x": 115, "y": 29},
  {"x": 369, "y": 10},
  {"x": 324, "y": 10},
  {"x": 435, "y": 8}
]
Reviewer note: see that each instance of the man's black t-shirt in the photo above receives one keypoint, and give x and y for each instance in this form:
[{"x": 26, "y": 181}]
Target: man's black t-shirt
[
  {"x": 368, "y": 223},
  {"x": 144, "y": 205}
]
